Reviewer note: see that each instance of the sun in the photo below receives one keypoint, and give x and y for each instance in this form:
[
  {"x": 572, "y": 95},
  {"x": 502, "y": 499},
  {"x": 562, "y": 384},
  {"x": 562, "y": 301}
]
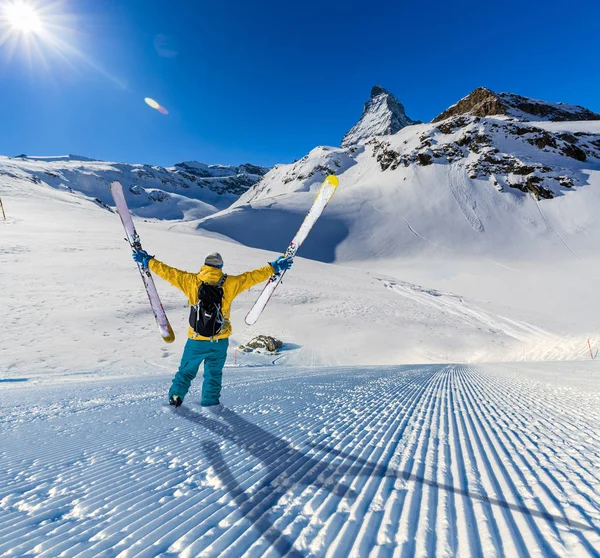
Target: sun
[
  {"x": 42, "y": 34},
  {"x": 23, "y": 17}
]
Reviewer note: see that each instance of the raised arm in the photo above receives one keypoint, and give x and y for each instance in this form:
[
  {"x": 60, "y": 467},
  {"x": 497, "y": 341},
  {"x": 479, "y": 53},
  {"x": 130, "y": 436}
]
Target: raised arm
[
  {"x": 183, "y": 280},
  {"x": 240, "y": 283}
]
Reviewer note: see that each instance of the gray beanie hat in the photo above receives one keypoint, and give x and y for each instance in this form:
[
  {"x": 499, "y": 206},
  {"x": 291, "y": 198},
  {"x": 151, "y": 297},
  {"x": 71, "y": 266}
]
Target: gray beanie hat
[{"x": 214, "y": 260}]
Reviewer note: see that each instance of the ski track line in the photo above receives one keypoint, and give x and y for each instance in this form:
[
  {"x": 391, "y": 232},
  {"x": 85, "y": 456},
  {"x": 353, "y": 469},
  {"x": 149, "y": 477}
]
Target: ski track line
[
  {"x": 497, "y": 483},
  {"x": 415, "y": 465},
  {"x": 380, "y": 400},
  {"x": 368, "y": 504},
  {"x": 547, "y": 504},
  {"x": 321, "y": 503},
  {"x": 565, "y": 411},
  {"x": 542, "y": 473},
  {"x": 471, "y": 477},
  {"x": 547, "y": 474},
  {"x": 152, "y": 442},
  {"x": 464, "y": 199},
  {"x": 215, "y": 518},
  {"x": 583, "y": 473},
  {"x": 468, "y": 313},
  {"x": 425, "y": 461},
  {"x": 446, "y": 518},
  {"x": 552, "y": 440}
]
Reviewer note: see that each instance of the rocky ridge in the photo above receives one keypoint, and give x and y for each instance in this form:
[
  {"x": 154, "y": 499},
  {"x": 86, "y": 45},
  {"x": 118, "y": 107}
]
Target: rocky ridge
[
  {"x": 513, "y": 154},
  {"x": 485, "y": 102}
]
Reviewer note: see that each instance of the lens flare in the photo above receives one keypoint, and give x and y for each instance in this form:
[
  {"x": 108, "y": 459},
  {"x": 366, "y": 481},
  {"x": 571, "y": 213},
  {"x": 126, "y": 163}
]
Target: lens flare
[{"x": 153, "y": 104}]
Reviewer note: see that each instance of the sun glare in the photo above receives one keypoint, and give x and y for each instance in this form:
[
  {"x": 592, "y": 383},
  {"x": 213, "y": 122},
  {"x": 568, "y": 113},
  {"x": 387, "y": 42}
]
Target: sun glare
[
  {"x": 42, "y": 34},
  {"x": 23, "y": 17}
]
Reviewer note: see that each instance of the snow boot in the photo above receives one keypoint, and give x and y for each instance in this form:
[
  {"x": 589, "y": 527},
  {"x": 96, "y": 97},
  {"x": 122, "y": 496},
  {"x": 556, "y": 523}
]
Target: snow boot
[{"x": 175, "y": 400}]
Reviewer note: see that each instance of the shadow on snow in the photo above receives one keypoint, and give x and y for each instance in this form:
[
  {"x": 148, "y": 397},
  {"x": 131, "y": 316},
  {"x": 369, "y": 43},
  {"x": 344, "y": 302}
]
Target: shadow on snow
[{"x": 288, "y": 467}]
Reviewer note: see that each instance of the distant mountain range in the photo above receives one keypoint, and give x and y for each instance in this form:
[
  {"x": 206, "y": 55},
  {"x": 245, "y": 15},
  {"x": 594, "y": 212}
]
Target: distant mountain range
[{"x": 189, "y": 190}]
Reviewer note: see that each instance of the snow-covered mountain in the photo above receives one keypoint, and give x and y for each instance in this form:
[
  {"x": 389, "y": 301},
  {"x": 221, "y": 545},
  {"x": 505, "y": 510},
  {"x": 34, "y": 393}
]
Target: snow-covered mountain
[
  {"x": 383, "y": 114},
  {"x": 473, "y": 185},
  {"x": 189, "y": 190}
]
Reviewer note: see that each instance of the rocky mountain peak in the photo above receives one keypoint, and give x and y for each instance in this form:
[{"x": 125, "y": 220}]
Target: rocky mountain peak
[
  {"x": 485, "y": 102},
  {"x": 378, "y": 90},
  {"x": 383, "y": 114}
]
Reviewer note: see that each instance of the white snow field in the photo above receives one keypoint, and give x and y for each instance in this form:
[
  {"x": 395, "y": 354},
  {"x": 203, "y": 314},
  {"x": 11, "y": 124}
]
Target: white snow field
[
  {"x": 431, "y": 460},
  {"x": 73, "y": 301}
]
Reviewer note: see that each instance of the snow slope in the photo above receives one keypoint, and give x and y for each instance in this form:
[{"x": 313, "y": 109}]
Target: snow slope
[
  {"x": 72, "y": 300},
  {"x": 477, "y": 186},
  {"x": 439, "y": 460}
]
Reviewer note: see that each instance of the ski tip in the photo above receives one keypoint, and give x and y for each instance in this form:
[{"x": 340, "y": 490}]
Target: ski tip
[
  {"x": 333, "y": 180},
  {"x": 250, "y": 320},
  {"x": 170, "y": 336},
  {"x": 115, "y": 184}
]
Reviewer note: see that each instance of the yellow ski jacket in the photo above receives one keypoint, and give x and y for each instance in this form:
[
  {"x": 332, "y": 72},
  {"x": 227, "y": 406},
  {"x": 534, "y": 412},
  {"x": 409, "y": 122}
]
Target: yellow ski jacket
[{"x": 190, "y": 282}]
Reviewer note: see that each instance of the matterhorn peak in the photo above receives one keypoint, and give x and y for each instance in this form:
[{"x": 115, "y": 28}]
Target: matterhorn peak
[
  {"x": 383, "y": 114},
  {"x": 378, "y": 90}
]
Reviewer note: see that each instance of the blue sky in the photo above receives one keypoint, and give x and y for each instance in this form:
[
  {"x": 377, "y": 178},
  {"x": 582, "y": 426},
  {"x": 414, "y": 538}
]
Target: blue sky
[{"x": 265, "y": 81}]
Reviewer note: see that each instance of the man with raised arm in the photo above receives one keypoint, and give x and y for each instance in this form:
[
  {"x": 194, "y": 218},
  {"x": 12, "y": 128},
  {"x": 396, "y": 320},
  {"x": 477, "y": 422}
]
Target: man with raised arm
[{"x": 210, "y": 293}]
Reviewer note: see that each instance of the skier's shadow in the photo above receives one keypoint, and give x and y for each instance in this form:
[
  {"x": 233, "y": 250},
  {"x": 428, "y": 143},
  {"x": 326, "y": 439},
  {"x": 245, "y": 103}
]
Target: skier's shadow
[{"x": 288, "y": 467}]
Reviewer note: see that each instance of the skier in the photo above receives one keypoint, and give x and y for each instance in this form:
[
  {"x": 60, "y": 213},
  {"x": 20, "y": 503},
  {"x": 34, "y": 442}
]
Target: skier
[{"x": 210, "y": 294}]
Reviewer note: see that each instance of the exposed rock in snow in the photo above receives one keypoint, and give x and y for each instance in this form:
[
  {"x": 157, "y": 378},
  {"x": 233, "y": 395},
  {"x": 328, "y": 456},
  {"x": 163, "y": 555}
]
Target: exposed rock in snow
[
  {"x": 262, "y": 343},
  {"x": 383, "y": 114},
  {"x": 303, "y": 175},
  {"x": 513, "y": 153},
  {"x": 484, "y": 102}
]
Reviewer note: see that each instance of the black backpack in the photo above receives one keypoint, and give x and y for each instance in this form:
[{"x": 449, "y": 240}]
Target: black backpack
[{"x": 206, "y": 317}]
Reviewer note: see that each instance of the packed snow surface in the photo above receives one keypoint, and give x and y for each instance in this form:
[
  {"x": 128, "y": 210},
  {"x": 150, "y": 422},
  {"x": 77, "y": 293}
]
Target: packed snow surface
[{"x": 435, "y": 460}]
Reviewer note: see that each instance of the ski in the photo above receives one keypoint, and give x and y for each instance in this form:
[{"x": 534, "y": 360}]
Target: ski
[
  {"x": 134, "y": 241},
  {"x": 323, "y": 197}
]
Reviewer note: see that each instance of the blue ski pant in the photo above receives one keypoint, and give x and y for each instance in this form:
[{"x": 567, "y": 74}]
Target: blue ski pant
[{"x": 214, "y": 354}]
